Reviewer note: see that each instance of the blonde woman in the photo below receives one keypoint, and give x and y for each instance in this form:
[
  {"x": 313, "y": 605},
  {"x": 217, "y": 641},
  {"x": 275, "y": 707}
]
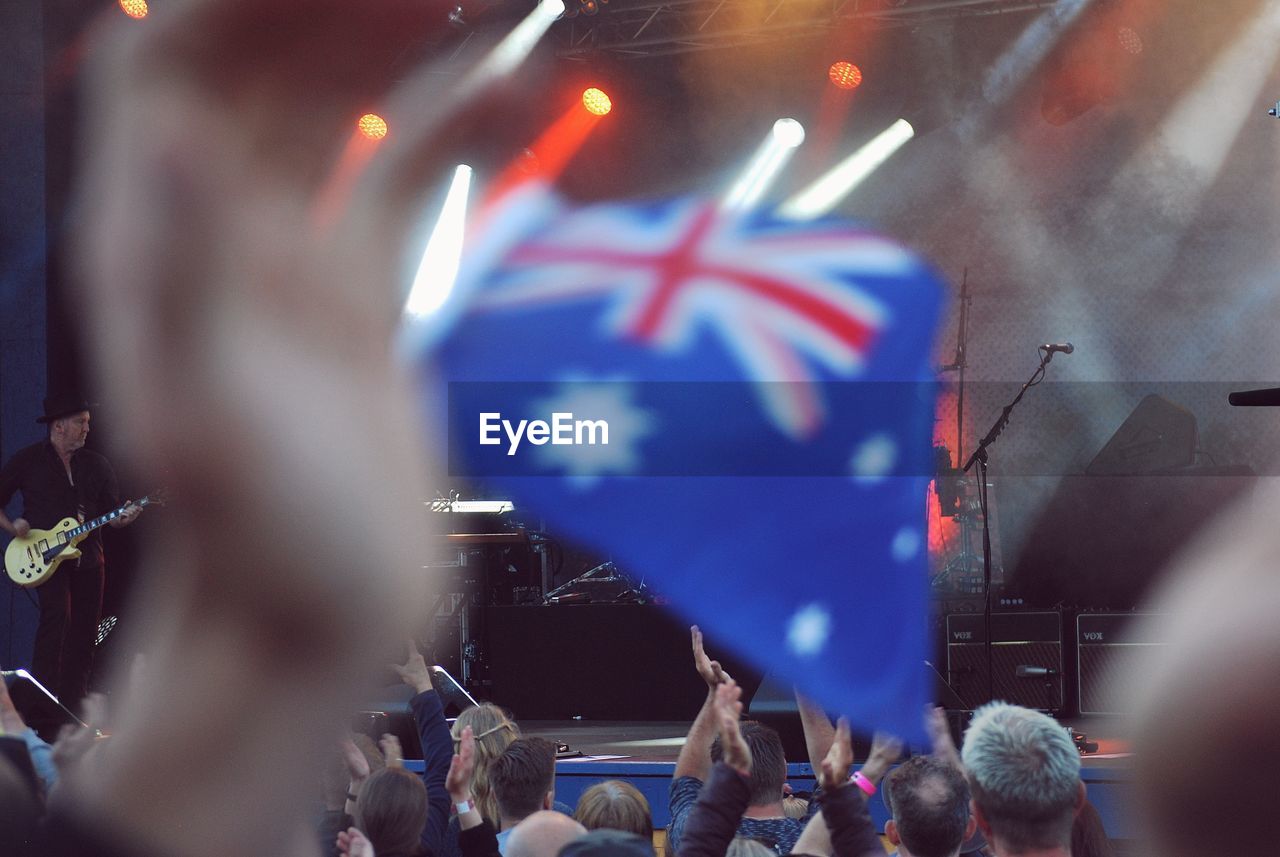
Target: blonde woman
[{"x": 494, "y": 732}]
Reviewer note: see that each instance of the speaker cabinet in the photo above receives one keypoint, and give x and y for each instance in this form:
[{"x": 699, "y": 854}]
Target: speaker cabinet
[
  {"x": 1026, "y": 659},
  {"x": 1109, "y": 646}
]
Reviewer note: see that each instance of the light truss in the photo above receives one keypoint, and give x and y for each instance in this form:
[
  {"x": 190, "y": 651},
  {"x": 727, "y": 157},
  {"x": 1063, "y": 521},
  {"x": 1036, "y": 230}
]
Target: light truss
[{"x": 647, "y": 28}]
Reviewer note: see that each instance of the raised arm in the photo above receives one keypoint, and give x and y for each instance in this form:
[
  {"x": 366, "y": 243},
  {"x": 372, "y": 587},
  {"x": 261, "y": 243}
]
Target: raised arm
[
  {"x": 844, "y": 828},
  {"x": 695, "y": 755},
  {"x": 935, "y": 723},
  {"x": 818, "y": 731},
  {"x": 437, "y": 744},
  {"x": 712, "y": 823},
  {"x": 694, "y": 763},
  {"x": 476, "y": 837},
  {"x": 244, "y": 337},
  {"x": 885, "y": 750}
]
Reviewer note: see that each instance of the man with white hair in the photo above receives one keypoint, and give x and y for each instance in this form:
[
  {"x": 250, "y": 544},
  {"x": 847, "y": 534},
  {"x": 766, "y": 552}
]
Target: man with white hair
[{"x": 1024, "y": 773}]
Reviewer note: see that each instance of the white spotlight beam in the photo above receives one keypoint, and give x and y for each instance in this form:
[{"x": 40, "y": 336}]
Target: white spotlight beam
[
  {"x": 764, "y": 166},
  {"x": 519, "y": 43},
  {"x": 830, "y": 189},
  {"x": 1029, "y": 49},
  {"x": 439, "y": 266}
]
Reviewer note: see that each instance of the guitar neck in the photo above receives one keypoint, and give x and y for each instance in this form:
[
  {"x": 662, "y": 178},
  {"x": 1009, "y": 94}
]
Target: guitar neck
[{"x": 89, "y": 526}]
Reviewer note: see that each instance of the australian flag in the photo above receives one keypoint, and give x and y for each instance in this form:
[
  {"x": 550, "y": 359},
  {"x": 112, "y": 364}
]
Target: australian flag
[{"x": 738, "y": 407}]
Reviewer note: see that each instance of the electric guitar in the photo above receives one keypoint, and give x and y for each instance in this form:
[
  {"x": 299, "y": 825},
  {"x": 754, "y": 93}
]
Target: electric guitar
[{"x": 31, "y": 560}]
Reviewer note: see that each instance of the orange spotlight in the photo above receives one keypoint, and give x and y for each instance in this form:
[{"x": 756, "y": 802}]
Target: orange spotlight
[
  {"x": 845, "y": 75},
  {"x": 372, "y": 126},
  {"x": 596, "y": 102},
  {"x": 134, "y": 8}
]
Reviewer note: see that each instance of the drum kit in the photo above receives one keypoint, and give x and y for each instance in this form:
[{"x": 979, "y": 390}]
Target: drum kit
[{"x": 959, "y": 573}]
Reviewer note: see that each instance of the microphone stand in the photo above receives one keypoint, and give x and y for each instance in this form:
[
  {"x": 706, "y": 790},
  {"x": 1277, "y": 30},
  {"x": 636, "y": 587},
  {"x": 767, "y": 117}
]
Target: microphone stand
[
  {"x": 979, "y": 458},
  {"x": 23, "y": 674},
  {"x": 958, "y": 366}
]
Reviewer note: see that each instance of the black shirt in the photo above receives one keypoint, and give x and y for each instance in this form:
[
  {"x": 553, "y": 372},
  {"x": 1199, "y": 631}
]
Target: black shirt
[{"x": 48, "y": 496}]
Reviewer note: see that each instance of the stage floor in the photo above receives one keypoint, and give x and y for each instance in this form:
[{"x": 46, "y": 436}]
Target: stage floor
[{"x": 661, "y": 741}]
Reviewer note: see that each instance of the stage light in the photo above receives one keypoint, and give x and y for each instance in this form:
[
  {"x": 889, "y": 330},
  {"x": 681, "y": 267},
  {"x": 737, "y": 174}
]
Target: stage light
[
  {"x": 773, "y": 154},
  {"x": 596, "y": 102},
  {"x": 134, "y": 8},
  {"x": 845, "y": 75},
  {"x": 830, "y": 189},
  {"x": 1130, "y": 40},
  {"x": 519, "y": 43},
  {"x": 788, "y": 132},
  {"x": 372, "y": 126},
  {"x": 439, "y": 266}
]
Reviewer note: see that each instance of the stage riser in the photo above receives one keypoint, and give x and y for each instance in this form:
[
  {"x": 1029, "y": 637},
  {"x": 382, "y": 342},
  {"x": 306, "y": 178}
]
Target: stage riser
[{"x": 597, "y": 662}]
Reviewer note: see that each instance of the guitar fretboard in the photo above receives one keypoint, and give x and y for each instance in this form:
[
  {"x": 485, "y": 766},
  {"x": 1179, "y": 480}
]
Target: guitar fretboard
[{"x": 90, "y": 526}]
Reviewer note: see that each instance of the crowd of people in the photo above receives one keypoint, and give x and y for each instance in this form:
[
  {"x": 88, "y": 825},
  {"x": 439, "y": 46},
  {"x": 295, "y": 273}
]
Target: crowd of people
[{"x": 1014, "y": 790}]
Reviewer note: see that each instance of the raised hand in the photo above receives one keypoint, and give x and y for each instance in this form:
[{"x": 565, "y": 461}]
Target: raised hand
[
  {"x": 462, "y": 766},
  {"x": 414, "y": 671},
  {"x": 392, "y": 751},
  {"x": 352, "y": 843},
  {"x": 357, "y": 764},
  {"x": 737, "y": 754},
  {"x": 834, "y": 771},
  {"x": 242, "y": 314},
  {"x": 711, "y": 671},
  {"x": 885, "y": 750},
  {"x": 944, "y": 748}
]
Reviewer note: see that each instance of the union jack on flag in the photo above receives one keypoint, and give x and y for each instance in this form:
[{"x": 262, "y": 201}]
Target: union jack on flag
[{"x": 767, "y": 391}]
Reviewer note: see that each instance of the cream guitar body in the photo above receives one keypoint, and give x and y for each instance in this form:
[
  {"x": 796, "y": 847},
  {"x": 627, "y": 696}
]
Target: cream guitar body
[{"x": 32, "y": 559}]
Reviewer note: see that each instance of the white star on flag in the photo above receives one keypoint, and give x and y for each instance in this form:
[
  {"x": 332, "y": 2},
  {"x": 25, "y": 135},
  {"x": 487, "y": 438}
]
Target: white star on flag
[
  {"x": 874, "y": 459},
  {"x": 809, "y": 629},
  {"x": 611, "y": 402}
]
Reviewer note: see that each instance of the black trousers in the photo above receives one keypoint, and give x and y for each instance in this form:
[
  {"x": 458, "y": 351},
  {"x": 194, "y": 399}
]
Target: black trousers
[{"x": 70, "y": 610}]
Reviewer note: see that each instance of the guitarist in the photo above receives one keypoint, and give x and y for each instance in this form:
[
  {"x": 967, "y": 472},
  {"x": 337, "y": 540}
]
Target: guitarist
[{"x": 59, "y": 478}]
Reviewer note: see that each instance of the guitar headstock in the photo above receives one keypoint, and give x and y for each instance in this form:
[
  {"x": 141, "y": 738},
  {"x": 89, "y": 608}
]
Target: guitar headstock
[{"x": 158, "y": 497}]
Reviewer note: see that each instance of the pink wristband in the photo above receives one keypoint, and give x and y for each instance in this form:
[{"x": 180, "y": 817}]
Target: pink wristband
[{"x": 860, "y": 780}]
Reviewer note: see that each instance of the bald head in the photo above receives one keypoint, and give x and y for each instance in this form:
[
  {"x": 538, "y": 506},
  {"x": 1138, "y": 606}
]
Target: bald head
[
  {"x": 543, "y": 834},
  {"x": 929, "y": 801}
]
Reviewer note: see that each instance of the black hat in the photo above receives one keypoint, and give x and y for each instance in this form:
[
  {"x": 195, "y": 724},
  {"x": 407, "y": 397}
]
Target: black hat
[
  {"x": 608, "y": 843},
  {"x": 62, "y": 405}
]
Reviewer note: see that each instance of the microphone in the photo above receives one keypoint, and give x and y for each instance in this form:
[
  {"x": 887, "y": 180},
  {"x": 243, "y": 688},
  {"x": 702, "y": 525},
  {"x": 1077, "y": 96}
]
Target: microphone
[
  {"x": 1266, "y": 398},
  {"x": 1064, "y": 347},
  {"x": 1025, "y": 671}
]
